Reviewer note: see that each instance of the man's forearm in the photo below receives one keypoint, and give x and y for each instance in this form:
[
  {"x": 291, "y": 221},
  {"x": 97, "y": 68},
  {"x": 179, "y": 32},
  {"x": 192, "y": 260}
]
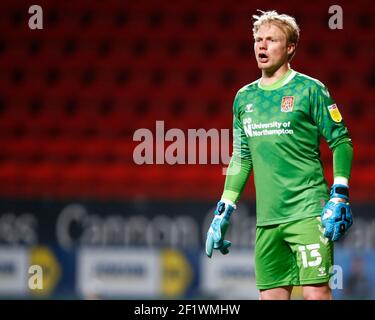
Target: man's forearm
[
  {"x": 342, "y": 160},
  {"x": 237, "y": 175}
]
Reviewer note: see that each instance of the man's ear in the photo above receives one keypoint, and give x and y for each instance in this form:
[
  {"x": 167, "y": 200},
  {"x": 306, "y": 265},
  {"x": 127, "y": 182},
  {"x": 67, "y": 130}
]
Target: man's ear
[{"x": 291, "y": 48}]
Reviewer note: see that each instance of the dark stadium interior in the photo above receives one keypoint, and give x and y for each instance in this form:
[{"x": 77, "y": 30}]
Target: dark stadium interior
[{"x": 73, "y": 94}]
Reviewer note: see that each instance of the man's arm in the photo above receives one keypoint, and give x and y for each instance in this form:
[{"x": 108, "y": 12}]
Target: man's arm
[
  {"x": 326, "y": 115},
  {"x": 240, "y": 165},
  {"x": 342, "y": 162},
  {"x": 237, "y": 175},
  {"x": 336, "y": 215}
]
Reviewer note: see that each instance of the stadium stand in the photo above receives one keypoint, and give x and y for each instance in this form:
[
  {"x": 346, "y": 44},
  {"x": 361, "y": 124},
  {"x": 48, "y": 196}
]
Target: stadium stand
[{"x": 73, "y": 94}]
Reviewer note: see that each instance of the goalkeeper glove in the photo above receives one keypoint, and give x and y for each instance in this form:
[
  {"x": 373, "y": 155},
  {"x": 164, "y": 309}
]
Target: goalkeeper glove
[
  {"x": 218, "y": 228},
  {"x": 337, "y": 216}
]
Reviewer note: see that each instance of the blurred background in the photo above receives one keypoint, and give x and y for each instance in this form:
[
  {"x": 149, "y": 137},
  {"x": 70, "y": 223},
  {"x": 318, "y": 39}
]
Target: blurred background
[{"x": 72, "y": 95}]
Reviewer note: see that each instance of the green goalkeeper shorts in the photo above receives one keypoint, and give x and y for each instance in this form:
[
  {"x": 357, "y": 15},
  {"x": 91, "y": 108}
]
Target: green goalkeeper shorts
[{"x": 292, "y": 254}]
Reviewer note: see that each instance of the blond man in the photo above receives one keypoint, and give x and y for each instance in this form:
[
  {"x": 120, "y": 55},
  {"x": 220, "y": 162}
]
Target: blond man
[{"x": 278, "y": 122}]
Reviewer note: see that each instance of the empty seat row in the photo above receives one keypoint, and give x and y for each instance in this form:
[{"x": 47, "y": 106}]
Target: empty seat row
[{"x": 121, "y": 180}]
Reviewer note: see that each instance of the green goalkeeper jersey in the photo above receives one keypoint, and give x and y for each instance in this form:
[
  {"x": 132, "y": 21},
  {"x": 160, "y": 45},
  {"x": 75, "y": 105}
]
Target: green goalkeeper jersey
[{"x": 277, "y": 129}]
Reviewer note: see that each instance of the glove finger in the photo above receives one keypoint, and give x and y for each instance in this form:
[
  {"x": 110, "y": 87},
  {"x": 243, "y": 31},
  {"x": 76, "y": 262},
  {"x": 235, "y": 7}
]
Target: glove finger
[
  {"x": 337, "y": 231},
  {"x": 209, "y": 245},
  {"x": 224, "y": 248},
  {"x": 328, "y": 234},
  {"x": 336, "y": 235},
  {"x": 340, "y": 230},
  {"x": 324, "y": 223},
  {"x": 216, "y": 230},
  {"x": 217, "y": 244}
]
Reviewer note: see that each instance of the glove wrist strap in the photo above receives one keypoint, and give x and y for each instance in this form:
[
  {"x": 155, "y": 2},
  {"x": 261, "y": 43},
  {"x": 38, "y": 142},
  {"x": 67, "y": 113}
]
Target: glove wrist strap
[
  {"x": 227, "y": 201},
  {"x": 340, "y": 191},
  {"x": 225, "y": 209}
]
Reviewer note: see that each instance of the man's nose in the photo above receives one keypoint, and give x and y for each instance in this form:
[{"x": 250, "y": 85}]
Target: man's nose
[{"x": 263, "y": 44}]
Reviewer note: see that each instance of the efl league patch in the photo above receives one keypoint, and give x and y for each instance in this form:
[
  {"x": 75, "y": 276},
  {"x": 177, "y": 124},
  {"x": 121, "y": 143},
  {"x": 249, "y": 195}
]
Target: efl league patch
[
  {"x": 287, "y": 104},
  {"x": 335, "y": 113}
]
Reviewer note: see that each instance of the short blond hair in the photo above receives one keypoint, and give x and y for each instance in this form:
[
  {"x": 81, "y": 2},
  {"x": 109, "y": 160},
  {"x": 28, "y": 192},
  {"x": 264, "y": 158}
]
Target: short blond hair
[{"x": 285, "y": 22}]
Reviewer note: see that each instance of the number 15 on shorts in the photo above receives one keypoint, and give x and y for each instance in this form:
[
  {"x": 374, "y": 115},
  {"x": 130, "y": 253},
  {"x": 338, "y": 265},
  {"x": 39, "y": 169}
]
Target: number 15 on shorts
[{"x": 310, "y": 255}]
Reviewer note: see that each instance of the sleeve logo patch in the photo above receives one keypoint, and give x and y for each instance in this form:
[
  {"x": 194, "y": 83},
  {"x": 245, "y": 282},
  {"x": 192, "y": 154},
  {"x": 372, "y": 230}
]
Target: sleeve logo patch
[
  {"x": 287, "y": 104},
  {"x": 335, "y": 113}
]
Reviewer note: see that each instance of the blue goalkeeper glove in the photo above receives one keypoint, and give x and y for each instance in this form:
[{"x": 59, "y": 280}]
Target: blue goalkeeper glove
[
  {"x": 218, "y": 228},
  {"x": 337, "y": 216}
]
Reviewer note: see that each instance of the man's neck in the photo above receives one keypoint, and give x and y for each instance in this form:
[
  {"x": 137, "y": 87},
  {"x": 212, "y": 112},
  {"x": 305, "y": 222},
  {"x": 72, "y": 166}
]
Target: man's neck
[{"x": 270, "y": 77}]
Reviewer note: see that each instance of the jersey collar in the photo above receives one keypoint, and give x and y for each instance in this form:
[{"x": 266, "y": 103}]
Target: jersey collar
[{"x": 289, "y": 75}]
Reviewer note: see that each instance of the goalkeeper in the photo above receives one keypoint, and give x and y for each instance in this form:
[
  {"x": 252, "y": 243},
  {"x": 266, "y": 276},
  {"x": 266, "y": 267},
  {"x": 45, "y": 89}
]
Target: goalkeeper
[{"x": 278, "y": 122}]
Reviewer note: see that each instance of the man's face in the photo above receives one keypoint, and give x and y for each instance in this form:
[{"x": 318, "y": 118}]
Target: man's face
[{"x": 271, "y": 48}]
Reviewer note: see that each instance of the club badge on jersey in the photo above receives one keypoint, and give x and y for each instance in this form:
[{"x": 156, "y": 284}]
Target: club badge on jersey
[{"x": 287, "y": 104}]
